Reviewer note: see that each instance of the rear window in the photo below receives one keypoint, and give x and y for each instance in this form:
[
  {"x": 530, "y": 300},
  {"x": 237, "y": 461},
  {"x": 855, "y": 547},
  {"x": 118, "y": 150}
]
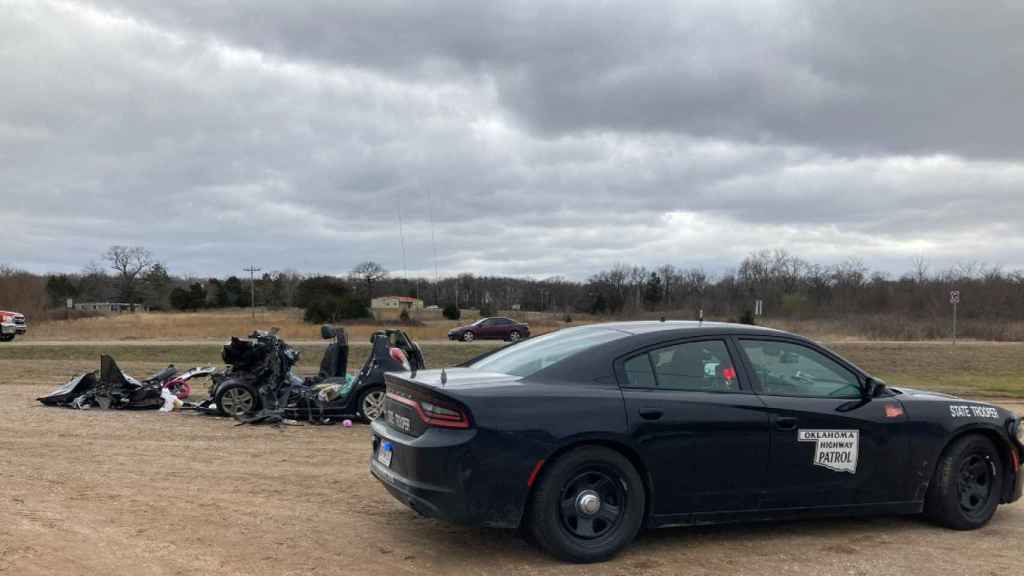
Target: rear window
[{"x": 535, "y": 354}]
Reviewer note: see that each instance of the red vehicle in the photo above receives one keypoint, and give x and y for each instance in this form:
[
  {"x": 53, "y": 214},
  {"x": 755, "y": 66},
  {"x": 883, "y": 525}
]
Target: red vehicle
[
  {"x": 495, "y": 328},
  {"x": 11, "y": 325}
]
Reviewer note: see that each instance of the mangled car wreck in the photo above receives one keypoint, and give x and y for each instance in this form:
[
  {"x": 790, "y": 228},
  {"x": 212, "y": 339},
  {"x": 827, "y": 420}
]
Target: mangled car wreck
[{"x": 259, "y": 385}]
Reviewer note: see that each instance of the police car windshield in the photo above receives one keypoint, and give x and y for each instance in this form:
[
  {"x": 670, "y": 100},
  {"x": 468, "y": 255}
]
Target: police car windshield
[{"x": 535, "y": 354}]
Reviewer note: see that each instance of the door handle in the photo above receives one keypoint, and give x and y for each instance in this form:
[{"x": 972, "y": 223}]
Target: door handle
[
  {"x": 785, "y": 423},
  {"x": 650, "y": 413}
]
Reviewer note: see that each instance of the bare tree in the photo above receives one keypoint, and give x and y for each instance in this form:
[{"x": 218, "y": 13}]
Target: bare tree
[
  {"x": 369, "y": 273},
  {"x": 129, "y": 262},
  {"x": 919, "y": 270}
]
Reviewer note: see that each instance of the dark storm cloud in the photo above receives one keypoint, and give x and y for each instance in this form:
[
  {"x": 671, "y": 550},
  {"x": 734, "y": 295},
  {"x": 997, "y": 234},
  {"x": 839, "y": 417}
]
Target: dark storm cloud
[
  {"x": 541, "y": 138},
  {"x": 864, "y": 77}
]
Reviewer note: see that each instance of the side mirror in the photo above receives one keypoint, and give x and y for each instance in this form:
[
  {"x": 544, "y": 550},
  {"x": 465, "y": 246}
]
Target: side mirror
[{"x": 872, "y": 387}]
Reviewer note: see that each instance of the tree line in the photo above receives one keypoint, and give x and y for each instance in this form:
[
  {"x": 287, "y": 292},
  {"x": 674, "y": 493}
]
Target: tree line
[{"x": 788, "y": 286}]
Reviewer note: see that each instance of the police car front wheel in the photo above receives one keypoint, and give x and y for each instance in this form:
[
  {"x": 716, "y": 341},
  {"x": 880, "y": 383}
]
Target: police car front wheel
[{"x": 967, "y": 485}]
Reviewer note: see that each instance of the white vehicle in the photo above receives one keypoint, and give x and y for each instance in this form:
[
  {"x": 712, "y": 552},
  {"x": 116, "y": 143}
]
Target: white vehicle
[{"x": 11, "y": 325}]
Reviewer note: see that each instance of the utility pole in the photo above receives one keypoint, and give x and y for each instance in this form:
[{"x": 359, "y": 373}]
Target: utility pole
[
  {"x": 252, "y": 270},
  {"x": 401, "y": 236},
  {"x": 433, "y": 243},
  {"x": 954, "y": 299}
]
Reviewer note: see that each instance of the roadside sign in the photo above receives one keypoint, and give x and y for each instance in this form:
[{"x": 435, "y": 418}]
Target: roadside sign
[{"x": 954, "y": 299}]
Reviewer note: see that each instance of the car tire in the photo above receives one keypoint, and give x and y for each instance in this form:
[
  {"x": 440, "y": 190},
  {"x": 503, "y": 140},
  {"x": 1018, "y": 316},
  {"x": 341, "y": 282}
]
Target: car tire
[
  {"x": 967, "y": 485},
  {"x": 375, "y": 396},
  {"x": 563, "y": 516},
  {"x": 468, "y": 337},
  {"x": 240, "y": 399},
  {"x": 513, "y": 336}
]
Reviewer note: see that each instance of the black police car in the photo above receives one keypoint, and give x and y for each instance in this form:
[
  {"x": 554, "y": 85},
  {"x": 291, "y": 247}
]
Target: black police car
[{"x": 585, "y": 435}]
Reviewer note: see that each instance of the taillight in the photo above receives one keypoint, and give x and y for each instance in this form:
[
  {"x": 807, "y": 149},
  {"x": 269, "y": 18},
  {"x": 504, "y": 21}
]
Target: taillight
[
  {"x": 437, "y": 412},
  {"x": 433, "y": 412}
]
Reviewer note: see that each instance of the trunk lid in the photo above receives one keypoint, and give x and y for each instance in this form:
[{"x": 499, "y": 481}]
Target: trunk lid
[{"x": 425, "y": 399}]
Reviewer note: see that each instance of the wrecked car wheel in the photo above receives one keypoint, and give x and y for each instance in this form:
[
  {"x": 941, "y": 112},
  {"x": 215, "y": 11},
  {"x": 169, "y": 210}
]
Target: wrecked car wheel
[
  {"x": 371, "y": 404},
  {"x": 236, "y": 399}
]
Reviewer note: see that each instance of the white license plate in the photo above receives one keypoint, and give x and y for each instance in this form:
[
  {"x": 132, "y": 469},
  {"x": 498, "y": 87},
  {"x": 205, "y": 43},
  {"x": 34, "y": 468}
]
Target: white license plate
[{"x": 384, "y": 453}]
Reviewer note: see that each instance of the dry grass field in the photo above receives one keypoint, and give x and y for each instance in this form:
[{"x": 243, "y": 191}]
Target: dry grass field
[
  {"x": 217, "y": 325},
  {"x": 149, "y": 341},
  {"x": 222, "y": 324}
]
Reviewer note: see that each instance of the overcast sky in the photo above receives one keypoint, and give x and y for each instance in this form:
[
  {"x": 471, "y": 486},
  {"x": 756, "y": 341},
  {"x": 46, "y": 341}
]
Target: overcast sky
[{"x": 543, "y": 138}]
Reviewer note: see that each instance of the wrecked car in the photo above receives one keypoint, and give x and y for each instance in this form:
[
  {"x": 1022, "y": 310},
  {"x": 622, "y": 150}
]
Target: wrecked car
[
  {"x": 249, "y": 390},
  {"x": 110, "y": 388}
]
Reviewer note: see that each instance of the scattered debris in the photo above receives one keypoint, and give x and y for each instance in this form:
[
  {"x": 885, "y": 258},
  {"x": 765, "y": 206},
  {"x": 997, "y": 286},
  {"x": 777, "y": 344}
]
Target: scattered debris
[{"x": 110, "y": 388}]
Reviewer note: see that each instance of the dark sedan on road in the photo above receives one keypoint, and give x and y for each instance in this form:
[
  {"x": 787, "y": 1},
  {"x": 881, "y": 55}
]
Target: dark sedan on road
[
  {"x": 498, "y": 328},
  {"x": 585, "y": 435}
]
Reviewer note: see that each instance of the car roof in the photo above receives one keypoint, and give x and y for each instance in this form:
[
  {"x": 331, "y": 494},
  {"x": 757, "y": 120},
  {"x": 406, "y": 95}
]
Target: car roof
[
  {"x": 695, "y": 326},
  {"x": 589, "y": 365}
]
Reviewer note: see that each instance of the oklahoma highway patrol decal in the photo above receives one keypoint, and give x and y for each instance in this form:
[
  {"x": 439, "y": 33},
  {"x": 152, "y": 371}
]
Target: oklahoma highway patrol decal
[{"x": 833, "y": 449}]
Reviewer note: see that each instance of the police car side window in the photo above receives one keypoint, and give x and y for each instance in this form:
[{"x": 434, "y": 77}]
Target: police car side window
[
  {"x": 787, "y": 369},
  {"x": 639, "y": 373},
  {"x": 695, "y": 366}
]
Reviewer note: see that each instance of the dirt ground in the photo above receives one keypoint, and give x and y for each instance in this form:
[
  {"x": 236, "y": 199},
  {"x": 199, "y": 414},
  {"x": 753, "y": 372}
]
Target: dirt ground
[{"x": 91, "y": 492}]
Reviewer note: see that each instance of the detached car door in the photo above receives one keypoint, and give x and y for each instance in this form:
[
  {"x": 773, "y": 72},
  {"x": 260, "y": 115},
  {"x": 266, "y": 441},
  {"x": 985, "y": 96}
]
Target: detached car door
[
  {"x": 830, "y": 446},
  {"x": 702, "y": 433}
]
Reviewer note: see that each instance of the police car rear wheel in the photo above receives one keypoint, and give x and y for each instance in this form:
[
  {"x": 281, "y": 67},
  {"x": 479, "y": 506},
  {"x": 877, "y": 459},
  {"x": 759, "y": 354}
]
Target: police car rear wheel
[
  {"x": 967, "y": 486},
  {"x": 587, "y": 506}
]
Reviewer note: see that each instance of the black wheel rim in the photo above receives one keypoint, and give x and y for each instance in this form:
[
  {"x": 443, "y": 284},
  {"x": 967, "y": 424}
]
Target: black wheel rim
[
  {"x": 579, "y": 514},
  {"x": 974, "y": 484}
]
